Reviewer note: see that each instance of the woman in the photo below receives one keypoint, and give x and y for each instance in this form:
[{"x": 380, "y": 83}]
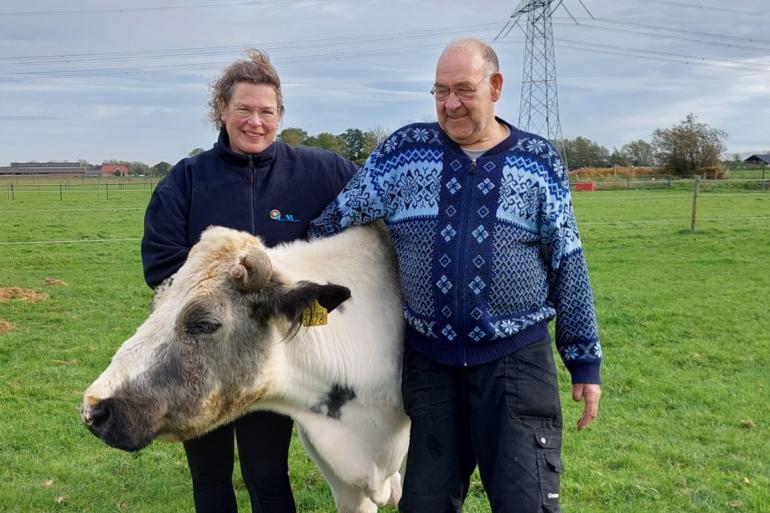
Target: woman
[{"x": 251, "y": 182}]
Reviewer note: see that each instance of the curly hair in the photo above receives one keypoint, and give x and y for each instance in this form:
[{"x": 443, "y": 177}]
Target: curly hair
[{"x": 256, "y": 69}]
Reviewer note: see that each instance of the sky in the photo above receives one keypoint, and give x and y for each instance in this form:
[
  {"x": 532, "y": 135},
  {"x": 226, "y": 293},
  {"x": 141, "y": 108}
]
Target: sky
[{"x": 128, "y": 80}]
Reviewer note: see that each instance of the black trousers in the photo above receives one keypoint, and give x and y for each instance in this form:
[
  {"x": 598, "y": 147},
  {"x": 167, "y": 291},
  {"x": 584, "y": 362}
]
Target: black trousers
[
  {"x": 263, "y": 449},
  {"x": 504, "y": 416}
]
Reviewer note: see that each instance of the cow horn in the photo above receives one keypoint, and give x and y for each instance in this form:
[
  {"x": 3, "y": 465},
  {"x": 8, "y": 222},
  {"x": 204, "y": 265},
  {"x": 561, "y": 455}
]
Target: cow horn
[{"x": 253, "y": 271}]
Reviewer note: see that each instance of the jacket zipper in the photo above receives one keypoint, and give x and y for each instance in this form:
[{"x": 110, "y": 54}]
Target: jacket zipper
[
  {"x": 460, "y": 308},
  {"x": 251, "y": 196}
]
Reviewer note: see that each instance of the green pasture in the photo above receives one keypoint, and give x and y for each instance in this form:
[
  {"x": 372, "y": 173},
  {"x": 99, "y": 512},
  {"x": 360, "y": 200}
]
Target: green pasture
[{"x": 684, "y": 422}]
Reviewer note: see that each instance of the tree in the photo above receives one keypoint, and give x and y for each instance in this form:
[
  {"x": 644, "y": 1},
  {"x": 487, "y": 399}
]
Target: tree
[
  {"x": 293, "y": 136},
  {"x": 195, "y": 151},
  {"x": 161, "y": 168},
  {"x": 327, "y": 141},
  {"x": 690, "y": 147},
  {"x": 639, "y": 153},
  {"x": 582, "y": 152},
  {"x": 379, "y": 134},
  {"x": 137, "y": 168},
  {"x": 371, "y": 140},
  {"x": 619, "y": 158},
  {"x": 353, "y": 143}
]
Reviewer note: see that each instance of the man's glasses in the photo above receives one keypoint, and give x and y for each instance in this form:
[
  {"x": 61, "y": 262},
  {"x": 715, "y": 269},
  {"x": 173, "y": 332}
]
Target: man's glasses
[{"x": 463, "y": 92}]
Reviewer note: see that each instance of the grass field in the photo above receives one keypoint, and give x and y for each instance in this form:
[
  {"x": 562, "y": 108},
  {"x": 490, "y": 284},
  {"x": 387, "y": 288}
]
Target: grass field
[{"x": 684, "y": 424}]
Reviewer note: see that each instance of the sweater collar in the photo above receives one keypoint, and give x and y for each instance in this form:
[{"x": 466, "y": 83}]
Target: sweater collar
[
  {"x": 504, "y": 145},
  {"x": 222, "y": 147}
]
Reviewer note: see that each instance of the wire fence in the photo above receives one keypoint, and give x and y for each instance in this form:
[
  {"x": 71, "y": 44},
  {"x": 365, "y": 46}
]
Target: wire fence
[
  {"x": 669, "y": 183},
  {"x": 70, "y": 188},
  {"x": 15, "y": 190},
  {"x": 625, "y": 203}
]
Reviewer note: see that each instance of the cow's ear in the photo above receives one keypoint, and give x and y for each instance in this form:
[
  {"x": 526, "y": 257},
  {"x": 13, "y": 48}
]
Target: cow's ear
[{"x": 304, "y": 295}]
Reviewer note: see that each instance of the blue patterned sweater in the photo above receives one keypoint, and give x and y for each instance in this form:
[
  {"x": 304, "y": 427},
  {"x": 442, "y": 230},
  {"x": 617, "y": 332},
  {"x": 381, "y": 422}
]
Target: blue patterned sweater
[{"x": 488, "y": 250}]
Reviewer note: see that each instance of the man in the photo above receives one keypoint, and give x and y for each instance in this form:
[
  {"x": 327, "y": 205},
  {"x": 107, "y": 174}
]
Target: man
[{"x": 488, "y": 253}]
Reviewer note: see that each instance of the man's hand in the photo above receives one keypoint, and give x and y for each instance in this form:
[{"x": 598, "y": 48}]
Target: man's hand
[{"x": 591, "y": 394}]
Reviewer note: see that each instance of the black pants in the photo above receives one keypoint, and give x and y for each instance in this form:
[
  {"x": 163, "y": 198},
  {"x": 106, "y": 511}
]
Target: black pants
[
  {"x": 504, "y": 416},
  {"x": 263, "y": 448}
]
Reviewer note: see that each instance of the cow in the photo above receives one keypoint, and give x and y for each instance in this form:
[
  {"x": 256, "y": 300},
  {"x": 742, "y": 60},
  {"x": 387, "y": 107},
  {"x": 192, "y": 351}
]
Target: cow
[{"x": 313, "y": 330}]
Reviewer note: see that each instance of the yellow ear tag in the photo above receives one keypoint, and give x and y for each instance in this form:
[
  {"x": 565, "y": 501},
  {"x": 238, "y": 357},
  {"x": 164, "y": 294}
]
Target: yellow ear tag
[{"x": 315, "y": 315}]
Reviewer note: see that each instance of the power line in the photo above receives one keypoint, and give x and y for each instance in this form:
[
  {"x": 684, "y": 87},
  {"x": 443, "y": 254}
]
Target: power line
[
  {"x": 347, "y": 40},
  {"x": 707, "y": 7},
  {"x": 665, "y": 56},
  {"x": 354, "y": 42},
  {"x": 280, "y": 45},
  {"x": 203, "y": 66},
  {"x": 130, "y": 10},
  {"x": 681, "y": 30},
  {"x": 671, "y": 36},
  {"x": 316, "y": 57}
]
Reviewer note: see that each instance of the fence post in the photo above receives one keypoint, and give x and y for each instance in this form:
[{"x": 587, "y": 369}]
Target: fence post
[
  {"x": 764, "y": 183},
  {"x": 13, "y": 194},
  {"x": 60, "y": 194},
  {"x": 107, "y": 189},
  {"x": 696, "y": 188}
]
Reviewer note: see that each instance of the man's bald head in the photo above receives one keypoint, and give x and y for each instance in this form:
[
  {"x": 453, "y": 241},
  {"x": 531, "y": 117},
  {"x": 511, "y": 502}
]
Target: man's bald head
[{"x": 480, "y": 48}]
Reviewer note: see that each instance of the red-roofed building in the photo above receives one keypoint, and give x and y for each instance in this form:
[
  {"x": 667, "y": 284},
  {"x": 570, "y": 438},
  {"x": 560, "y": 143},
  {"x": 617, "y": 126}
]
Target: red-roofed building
[{"x": 114, "y": 170}]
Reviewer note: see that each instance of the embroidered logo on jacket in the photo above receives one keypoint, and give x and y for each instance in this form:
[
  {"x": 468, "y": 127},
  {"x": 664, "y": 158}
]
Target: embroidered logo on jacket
[{"x": 276, "y": 215}]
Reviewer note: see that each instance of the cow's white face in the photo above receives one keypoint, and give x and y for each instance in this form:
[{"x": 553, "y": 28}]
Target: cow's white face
[{"x": 203, "y": 355}]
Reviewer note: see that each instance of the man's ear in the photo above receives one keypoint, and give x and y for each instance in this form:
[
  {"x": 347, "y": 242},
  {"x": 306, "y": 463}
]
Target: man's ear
[
  {"x": 496, "y": 85},
  {"x": 305, "y": 293}
]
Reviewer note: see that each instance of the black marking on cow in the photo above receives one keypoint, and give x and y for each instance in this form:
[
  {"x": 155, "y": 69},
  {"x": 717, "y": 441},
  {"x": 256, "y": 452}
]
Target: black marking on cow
[
  {"x": 335, "y": 399},
  {"x": 197, "y": 319},
  {"x": 304, "y": 294}
]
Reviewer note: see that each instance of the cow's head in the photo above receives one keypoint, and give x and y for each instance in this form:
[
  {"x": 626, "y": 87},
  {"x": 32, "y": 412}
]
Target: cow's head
[{"x": 204, "y": 354}]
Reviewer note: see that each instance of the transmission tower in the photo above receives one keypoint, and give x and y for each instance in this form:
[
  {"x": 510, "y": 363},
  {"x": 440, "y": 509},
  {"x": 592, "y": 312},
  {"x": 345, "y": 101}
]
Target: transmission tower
[{"x": 539, "y": 104}]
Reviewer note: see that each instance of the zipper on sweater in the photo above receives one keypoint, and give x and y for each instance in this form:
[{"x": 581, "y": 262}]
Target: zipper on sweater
[
  {"x": 251, "y": 196},
  {"x": 460, "y": 306}
]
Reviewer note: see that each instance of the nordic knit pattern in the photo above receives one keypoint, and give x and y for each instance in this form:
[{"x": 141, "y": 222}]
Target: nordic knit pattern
[{"x": 488, "y": 250}]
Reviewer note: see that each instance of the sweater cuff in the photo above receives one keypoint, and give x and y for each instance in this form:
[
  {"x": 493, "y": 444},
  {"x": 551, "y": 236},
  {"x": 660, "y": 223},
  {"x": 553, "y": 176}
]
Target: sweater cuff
[{"x": 586, "y": 372}]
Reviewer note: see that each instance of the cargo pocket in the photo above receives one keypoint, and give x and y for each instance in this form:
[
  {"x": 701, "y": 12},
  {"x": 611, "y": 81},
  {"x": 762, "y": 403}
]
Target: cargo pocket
[
  {"x": 549, "y": 468},
  {"x": 531, "y": 389}
]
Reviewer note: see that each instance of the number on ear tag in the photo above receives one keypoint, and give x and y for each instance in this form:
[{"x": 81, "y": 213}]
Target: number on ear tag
[{"x": 315, "y": 315}]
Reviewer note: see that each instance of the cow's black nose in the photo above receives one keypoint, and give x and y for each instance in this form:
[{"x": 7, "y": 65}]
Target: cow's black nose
[
  {"x": 100, "y": 417},
  {"x": 116, "y": 421}
]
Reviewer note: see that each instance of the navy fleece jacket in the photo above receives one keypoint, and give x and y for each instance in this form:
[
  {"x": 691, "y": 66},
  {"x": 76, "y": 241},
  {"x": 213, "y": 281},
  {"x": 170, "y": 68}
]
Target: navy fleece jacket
[{"x": 274, "y": 194}]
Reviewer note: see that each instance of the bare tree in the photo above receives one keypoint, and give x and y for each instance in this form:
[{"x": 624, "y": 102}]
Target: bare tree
[{"x": 690, "y": 148}]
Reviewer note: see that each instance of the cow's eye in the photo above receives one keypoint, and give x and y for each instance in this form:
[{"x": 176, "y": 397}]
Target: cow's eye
[{"x": 203, "y": 327}]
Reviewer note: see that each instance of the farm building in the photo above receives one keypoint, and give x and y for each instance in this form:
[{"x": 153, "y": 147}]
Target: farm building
[
  {"x": 62, "y": 169},
  {"x": 114, "y": 170},
  {"x": 758, "y": 160},
  {"x": 44, "y": 168}
]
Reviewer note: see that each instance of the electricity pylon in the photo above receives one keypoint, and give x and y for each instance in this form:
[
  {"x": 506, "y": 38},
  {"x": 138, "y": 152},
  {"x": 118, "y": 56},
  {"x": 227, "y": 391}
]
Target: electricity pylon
[{"x": 539, "y": 104}]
